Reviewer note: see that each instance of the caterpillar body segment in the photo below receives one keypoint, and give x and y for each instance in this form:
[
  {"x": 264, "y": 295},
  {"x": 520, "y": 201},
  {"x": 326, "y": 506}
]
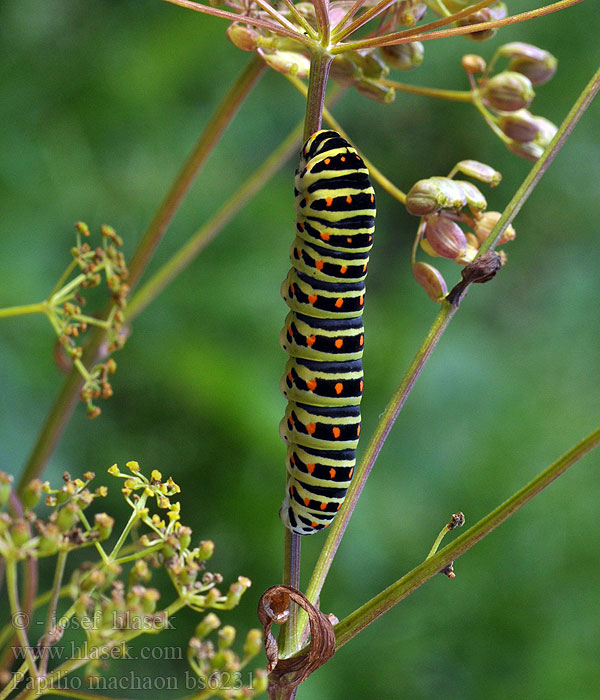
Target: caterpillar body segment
[{"x": 323, "y": 332}]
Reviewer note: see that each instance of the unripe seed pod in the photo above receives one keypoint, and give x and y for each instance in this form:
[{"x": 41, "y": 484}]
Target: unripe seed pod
[
  {"x": 446, "y": 237},
  {"x": 508, "y": 91},
  {"x": 49, "y": 540},
  {"x": 520, "y": 126},
  {"x": 344, "y": 71},
  {"x": 432, "y": 194},
  {"x": 20, "y": 532},
  {"x": 411, "y": 13},
  {"x": 245, "y": 38},
  {"x": 207, "y": 625},
  {"x": 475, "y": 198},
  {"x": 497, "y": 11},
  {"x": 67, "y": 517},
  {"x": 253, "y": 643},
  {"x": 479, "y": 171},
  {"x": 426, "y": 246},
  {"x": 185, "y": 536},
  {"x": 485, "y": 224},
  {"x": 5, "y": 488},
  {"x": 547, "y": 131},
  {"x": 206, "y": 549},
  {"x": 403, "y": 56},
  {"x": 520, "y": 49},
  {"x": 226, "y": 636},
  {"x": 376, "y": 92},
  {"x": 103, "y": 524},
  {"x": 473, "y": 64},
  {"x": 431, "y": 280},
  {"x": 288, "y": 62},
  {"x": 539, "y": 72},
  {"x": 260, "y": 681}
]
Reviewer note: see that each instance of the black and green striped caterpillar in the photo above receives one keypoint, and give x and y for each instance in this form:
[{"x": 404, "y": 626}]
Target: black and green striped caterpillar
[{"x": 323, "y": 332}]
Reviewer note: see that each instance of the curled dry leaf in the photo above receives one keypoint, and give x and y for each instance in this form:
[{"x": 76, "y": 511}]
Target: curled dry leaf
[
  {"x": 287, "y": 674},
  {"x": 480, "y": 270}
]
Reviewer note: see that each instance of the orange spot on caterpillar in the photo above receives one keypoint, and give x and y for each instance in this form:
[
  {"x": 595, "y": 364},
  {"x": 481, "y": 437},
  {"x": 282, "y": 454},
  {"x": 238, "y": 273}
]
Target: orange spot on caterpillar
[
  {"x": 325, "y": 236},
  {"x": 338, "y": 343},
  {"x": 343, "y": 269},
  {"x": 310, "y": 468},
  {"x": 332, "y": 473},
  {"x": 291, "y": 490},
  {"x": 357, "y": 430},
  {"x": 306, "y": 501},
  {"x": 339, "y": 506},
  {"x": 343, "y": 159},
  {"x": 328, "y": 201},
  {"x": 293, "y": 459},
  {"x": 312, "y": 298},
  {"x": 349, "y": 199},
  {"x": 292, "y": 289},
  {"x": 339, "y": 303},
  {"x": 361, "y": 301},
  {"x": 328, "y": 524},
  {"x": 319, "y": 264},
  {"x": 350, "y": 473},
  {"x": 361, "y": 341},
  {"x": 349, "y": 239},
  {"x": 339, "y": 387},
  {"x": 290, "y": 377},
  {"x": 301, "y": 225},
  {"x": 361, "y": 384},
  {"x": 310, "y": 340},
  {"x": 327, "y": 161},
  {"x": 310, "y": 428},
  {"x": 323, "y": 506},
  {"x": 290, "y": 421},
  {"x": 298, "y": 253},
  {"x": 365, "y": 267},
  {"x": 311, "y": 384},
  {"x": 370, "y": 238},
  {"x": 372, "y": 198},
  {"x": 313, "y": 524},
  {"x": 336, "y": 433},
  {"x": 290, "y": 333}
]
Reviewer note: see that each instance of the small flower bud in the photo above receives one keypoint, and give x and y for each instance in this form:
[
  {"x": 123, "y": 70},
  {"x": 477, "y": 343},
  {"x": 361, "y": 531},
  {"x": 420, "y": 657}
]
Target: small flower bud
[
  {"x": 226, "y": 636},
  {"x": 473, "y": 64},
  {"x": 508, "y": 91},
  {"x": 404, "y": 56},
  {"x": 519, "y": 126},
  {"x": 475, "y": 198},
  {"x": 376, "y": 92},
  {"x": 479, "y": 171},
  {"x": 20, "y": 532},
  {"x": 114, "y": 470},
  {"x": 185, "y": 536},
  {"x": 49, "y": 540},
  {"x": 5, "y": 488},
  {"x": 288, "y": 62},
  {"x": 253, "y": 643},
  {"x": 243, "y": 37},
  {"x": 446, "y": 237},
  {"x": 431, "y": 280},
  {"x": 485, "y": 224},
  {"x": 149, "y": 599},
  {"x": 485, "y": 15},
  {"x": 520, "y": 49},
  {"x": 428, "y": 196}
]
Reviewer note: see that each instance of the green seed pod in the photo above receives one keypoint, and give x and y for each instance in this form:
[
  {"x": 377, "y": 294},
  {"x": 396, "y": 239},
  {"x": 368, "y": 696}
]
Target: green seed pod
[
  {"x": 519, "y": 126},
  {"x": 185, "y": 536},
  {"x": 67, "y": 517},
  {"x": 475, "y": 198},
  {"x": 49, "y": 540},
  {"x": 508, "y": 91},
  {"x": 288, "y": 62},
  {"x": 253, "y": 643},
  {"x": 208, "y": 624},
  {"x": 245, "y": 38},
  {"x": 205, "y": 550},
  {"x": 446, "y": 237},
  {"x": 376, "y": 92},
  {"x": 403, "y": 56},
  {"x": 103, "y": 524},
  {"x": 432, "y": 194},
  {"x": 150, "y": 598},
  {"x": 5, "y": 488},
  {"x": 431, "y": 280},
  {"x": 20, "y": 532},
  {"x": 260, "y": 681},
  {"x": 479, "y": 171},
  {"x": 226, "y": 637},
  {"x": 32, "y": 494}
]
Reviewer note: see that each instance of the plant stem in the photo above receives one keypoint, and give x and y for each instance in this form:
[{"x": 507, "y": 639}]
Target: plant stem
[
  {"x": 453, "y": 95},
  {"x": 320, "y": 63},
  {"x": 17, "y": 676},
  {"x": 63, "y": 407},
  {"x": 381, "y": 432},
  {"x": 23, "y": 309},
  {"x": 59, "y": 571},
  {"x": 15, "y": 608},
  {"x": 350, "y": 626}
]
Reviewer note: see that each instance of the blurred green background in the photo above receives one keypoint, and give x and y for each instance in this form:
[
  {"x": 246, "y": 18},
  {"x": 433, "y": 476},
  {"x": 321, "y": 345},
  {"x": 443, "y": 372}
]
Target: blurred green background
[{"x": 100, "y": 104}]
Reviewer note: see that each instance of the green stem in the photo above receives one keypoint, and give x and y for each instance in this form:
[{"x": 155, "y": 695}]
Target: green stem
[
  {"x": 63, "y": 407},
  {"x": 17, "y": 676},
  {"x": 336, "y": 532},
  {"x": 81, "y": 694},
  {"x": 453, "y": 95},
  {"x": 59, "y": 571},
  {"x": 24, "y": 309},
  {"x": 15, "y": 608},
  {"x": 152, "y": 288},
  {"x": 320, "y": 63},
  {"x": 350, "y": 626}
]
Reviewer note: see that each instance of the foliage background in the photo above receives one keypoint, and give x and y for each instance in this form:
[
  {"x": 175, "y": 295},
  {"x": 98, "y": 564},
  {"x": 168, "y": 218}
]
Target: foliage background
[{"x": 100, "y": 103}]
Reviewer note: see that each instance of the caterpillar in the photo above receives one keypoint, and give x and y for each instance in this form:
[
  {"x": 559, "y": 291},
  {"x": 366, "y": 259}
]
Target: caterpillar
[{"x": 323, "y": 331}]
